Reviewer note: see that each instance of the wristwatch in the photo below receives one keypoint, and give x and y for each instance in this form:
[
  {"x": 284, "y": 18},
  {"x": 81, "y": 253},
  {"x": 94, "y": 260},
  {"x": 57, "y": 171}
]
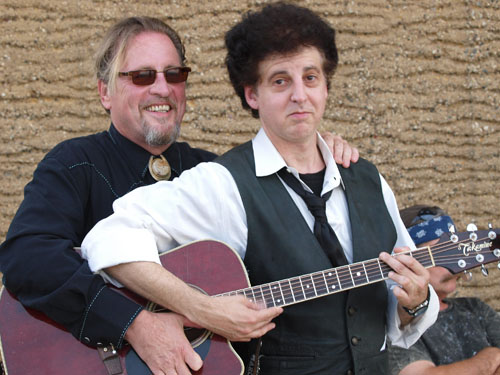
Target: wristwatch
[{"x": 419, "y": 309}]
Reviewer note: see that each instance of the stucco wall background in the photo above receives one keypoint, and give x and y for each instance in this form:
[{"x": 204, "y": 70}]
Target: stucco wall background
[{"x": 416, "y": 91}]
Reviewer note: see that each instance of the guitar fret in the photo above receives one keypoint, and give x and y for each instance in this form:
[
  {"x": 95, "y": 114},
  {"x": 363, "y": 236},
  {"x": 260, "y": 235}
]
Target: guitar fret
[
  {"x": 350, "y": 273},
  {"x": 358, "y": 274},
  {"x": 386, "y": 270},
  {"x": 332, "y": 282},
  {"x": 314, "y": 285},
  {"x": 298, "y": 289},
  {"x": 246, "y": 293},
  {"x": 345, "y": 279},
  {"x": 277, "y": 296},
  {"x": 338, "y": 280},
  {"x": 291, "y": 290},
  {"x": 320, "y": 283},
  {"x": 308, "y": 291},
  {"x": 262, "y": 296},
  {"x": 380, "y": 268},
  {"x": 269, "y": 301},
  {"x": 326, "y": 282},
  {"x": 282, "y": 295},
  {"x": 253, "y": 294},
  {"x": 366, "y": 273},
  {"x": 372, "y": 275}
]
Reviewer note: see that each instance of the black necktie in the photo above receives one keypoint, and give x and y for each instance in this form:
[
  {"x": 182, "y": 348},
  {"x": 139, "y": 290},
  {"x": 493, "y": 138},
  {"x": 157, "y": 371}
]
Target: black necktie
[{"x": 322, "y": 230}]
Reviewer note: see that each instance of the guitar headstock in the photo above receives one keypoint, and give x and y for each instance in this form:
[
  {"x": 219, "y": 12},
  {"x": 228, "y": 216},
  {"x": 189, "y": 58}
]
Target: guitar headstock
[{"x": 459, "y": 252}]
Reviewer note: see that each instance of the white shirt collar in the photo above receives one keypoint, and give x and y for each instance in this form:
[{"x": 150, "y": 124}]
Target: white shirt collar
[{"x": 269, "y": 161}]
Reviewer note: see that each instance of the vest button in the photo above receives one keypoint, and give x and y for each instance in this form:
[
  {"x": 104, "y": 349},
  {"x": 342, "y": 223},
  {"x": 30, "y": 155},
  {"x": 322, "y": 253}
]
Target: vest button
[
  {"x": 355, "y": 340},
  {"x": 349, "y": 372},
  {"x": 351, "y": 310}
]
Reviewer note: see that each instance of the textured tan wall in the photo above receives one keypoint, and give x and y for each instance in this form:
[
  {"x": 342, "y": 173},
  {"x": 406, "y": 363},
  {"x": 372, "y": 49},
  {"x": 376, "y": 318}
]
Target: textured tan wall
[{"x": 417, "y": 92}]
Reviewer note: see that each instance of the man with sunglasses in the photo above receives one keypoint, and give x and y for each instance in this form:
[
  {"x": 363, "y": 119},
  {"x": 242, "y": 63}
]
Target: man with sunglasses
[
  {"x": 285, "y": 207},
  {"x": 141, "y": 81}
]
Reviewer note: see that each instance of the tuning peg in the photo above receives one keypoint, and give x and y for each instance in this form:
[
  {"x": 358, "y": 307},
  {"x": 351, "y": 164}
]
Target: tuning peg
[
  {"x": 472, "y": 228},
  {"x": 453, "y": 237},
  {"x": 498, "y": 265},
  {"x": 484, "y": 270},
  {"x": 468, "y": 275},
  {"x": 491, "y": 234}
]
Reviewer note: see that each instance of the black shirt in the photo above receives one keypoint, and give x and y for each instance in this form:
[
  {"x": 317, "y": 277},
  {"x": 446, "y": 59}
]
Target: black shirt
[{"x": 73, "y": 188}]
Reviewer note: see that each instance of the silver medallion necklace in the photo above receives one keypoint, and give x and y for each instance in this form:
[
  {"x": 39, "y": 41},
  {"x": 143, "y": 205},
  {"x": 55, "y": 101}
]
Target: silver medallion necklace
[{"x": 159, "y": 168}]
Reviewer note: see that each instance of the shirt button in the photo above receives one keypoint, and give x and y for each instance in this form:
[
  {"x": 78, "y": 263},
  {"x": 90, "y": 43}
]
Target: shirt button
[
  {"x": 355, "y": 340},
  {"x": 351, "y": 310}
]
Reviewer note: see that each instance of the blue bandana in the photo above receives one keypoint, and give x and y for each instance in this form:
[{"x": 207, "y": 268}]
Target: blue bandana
[{"x": 430, "y": 229}]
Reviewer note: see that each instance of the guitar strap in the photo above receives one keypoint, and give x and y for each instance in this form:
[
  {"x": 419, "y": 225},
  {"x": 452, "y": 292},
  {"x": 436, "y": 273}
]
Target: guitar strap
[
  {"x": 109, "y": 356},
  {"x": 254, "y": 363}
]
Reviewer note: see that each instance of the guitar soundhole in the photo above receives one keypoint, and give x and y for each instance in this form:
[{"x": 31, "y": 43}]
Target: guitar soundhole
[{"x": 196, "y": 336}]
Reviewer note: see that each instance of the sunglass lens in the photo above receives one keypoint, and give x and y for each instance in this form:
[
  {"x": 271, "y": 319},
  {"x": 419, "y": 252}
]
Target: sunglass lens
[
  {"x": 176, "y": 75},
  {"x": 143, "y": 77}
]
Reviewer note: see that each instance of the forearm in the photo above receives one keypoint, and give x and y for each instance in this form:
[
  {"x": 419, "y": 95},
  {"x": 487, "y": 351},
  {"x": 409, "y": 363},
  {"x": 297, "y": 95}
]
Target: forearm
[
  {"x": 234, "y": 317},
  {"x": 486, "y": 362},
  {"x": 153, "y": 282},
  {"x": 405, "y": 335}
]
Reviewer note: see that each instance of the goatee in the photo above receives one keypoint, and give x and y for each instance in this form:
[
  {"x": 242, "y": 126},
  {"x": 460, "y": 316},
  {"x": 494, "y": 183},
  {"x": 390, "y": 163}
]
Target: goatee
[{"x": 156, "y": 137}]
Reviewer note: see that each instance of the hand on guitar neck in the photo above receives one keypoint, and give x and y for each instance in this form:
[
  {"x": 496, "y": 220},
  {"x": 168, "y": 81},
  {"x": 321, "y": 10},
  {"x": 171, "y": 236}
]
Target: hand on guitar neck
[{"x": 413, "y": 278}]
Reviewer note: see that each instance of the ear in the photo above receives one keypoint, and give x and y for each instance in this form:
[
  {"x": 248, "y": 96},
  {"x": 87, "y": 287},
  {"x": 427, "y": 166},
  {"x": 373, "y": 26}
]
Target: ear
[
  {"x": 251, "y": 97},
  {"x": 102, "y": 87}
]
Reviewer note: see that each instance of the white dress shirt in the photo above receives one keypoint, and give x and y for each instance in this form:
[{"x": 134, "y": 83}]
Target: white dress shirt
[{"x": 204, "y": 203}]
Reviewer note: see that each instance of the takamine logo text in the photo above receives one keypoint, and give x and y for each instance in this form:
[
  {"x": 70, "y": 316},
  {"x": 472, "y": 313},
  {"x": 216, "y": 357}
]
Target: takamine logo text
[{"x": 468, "y": 248}]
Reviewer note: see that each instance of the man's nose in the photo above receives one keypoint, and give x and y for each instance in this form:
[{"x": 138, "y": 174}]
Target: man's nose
[{"x": 160, "y": 86}]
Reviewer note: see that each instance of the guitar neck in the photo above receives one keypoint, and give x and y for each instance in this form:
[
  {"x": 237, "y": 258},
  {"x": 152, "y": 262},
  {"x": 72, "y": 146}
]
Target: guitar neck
[
  {"x": 458, "y": 252},
  {"x": 323, "y": 283}
]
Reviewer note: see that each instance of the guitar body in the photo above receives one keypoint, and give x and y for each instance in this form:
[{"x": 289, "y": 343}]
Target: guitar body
[{"x": 32, "y": 343}]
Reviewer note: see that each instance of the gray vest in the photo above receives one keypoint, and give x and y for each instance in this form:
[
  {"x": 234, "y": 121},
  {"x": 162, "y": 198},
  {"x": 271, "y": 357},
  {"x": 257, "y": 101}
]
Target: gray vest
[{"x": 331, "y": 334}]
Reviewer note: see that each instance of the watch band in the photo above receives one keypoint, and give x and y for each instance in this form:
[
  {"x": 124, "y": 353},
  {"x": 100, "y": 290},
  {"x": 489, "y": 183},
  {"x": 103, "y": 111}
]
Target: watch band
[{"x": 419, "y": 309}]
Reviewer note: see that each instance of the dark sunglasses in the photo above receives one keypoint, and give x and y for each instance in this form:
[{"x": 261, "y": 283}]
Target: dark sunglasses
[{"x": 148, "y": 76}]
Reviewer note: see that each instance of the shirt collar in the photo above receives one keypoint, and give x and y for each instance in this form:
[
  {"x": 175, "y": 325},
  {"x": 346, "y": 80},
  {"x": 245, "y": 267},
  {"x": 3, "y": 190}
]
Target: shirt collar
[
  {"x": 269, "y": 161},
  {"x": 138, "y": 158}
]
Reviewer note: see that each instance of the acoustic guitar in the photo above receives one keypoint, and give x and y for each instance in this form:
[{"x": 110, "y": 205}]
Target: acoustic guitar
[{"x": 32, "y": 343}]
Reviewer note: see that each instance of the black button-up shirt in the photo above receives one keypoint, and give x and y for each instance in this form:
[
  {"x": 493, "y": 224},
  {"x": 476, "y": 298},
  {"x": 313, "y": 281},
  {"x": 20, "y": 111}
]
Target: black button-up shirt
[{"x": 73, "y": 188}]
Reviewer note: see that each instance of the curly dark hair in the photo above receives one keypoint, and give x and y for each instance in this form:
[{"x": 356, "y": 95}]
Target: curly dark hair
[{"x": 279, "y": 28}]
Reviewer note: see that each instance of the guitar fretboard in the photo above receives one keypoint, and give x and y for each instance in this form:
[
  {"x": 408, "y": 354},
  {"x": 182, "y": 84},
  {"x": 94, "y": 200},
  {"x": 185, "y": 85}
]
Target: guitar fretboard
[{"x": 322, "y": 283}]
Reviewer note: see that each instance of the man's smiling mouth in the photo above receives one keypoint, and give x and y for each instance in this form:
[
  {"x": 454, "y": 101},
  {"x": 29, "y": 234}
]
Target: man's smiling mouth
[{"x": 159, "y": 108}]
